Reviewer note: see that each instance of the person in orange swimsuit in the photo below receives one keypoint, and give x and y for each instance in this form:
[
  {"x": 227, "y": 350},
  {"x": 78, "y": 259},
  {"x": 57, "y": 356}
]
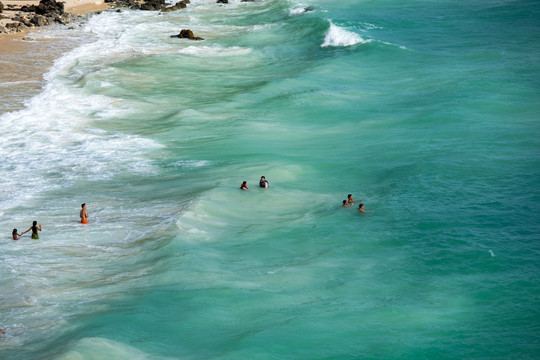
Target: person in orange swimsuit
[{"x": 84, "y": 214}]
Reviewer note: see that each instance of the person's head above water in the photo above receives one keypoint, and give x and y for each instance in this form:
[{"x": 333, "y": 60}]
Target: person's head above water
[
  {"x": 83, "y": 205},
  {"x": 14, "y": 231}
]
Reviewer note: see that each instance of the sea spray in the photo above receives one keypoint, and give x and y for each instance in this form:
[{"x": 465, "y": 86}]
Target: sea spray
[{"x": 337, "y": 36}]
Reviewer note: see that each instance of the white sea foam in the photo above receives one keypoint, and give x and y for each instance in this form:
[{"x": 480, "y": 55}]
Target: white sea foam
[
  {"x": 191, "y": 163},
  {"x": 297, "y": 11},
  {"x": 300, "y": 10},
  {"x": 105, "y": 349},
  {"x": 214, "y": 51},
  {"x": 337, "y": 36},
  {"x": 53, "y": 141}
]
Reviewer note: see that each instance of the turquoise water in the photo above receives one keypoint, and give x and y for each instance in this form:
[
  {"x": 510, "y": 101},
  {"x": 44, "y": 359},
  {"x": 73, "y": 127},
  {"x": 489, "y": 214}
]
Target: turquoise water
[{"x": 426, "y": 111}]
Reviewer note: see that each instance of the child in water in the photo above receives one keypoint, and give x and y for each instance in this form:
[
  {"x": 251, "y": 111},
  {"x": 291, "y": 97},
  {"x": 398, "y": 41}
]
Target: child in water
[
  {"x": 34, "y": 229},
  {"x": 15, "y": 235}
]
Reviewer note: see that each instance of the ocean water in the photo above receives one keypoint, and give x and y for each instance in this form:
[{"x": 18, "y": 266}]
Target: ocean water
[{"x": 426, "y": 111}]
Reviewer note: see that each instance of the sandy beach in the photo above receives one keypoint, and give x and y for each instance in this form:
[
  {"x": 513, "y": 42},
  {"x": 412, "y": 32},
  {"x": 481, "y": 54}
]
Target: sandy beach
[
  {"x": 12, "y": 8},
  {"x": 23, "y": 60}
]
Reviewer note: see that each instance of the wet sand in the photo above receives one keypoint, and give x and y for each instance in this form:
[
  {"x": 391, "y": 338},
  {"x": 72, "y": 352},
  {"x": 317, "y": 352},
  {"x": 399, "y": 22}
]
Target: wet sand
[{"x": 25, "y": 58}]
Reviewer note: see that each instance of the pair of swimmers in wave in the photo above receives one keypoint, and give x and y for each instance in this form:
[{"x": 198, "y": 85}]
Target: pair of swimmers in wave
[
  {"x": 349, "y": 202},
  {"x": 262, "y": 183},
  {"x": 35, "y": 228}
]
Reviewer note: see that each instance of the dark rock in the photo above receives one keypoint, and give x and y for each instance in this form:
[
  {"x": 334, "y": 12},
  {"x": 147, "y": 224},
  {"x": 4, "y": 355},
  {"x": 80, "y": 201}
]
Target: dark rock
[
  {"x": 187, "y": 34},
  {"x": 222, "y": 1},
  {"x": 1, "y": 7},
  {"x": 153, "y": 5},
  {"x": 39, "y": 20},
  {"x": 23, "y": 20},
  {"x": 45, "y": 7},
  {"x": 309, "y": 8},
  {"x": 17, "y": 26},
  {"x": 63, "y": 19},
  {"x": 179, "y": 5},
  {"x": 248, "y": 1}
]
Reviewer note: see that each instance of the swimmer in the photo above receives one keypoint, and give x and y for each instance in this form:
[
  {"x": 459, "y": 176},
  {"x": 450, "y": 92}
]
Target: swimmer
[
  {"x": 84, "y": 214},
  {"x": 350, "y": 199},
  {"x": 15, "y": 235},
  {"x": 346, "y": 204},
  {"x": 244, "y": 185},
  {"x": 361, "y": 208},
  {"x": 263, "y": 183},
  {"x": 34, "y": 229},
  {"x": 2, "y": 331}
]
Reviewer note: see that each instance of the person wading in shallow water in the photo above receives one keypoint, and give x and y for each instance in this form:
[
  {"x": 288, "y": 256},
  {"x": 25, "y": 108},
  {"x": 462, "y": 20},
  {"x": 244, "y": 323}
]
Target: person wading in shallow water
[
  {"x": 15, "y": 235},
  {"x": 34, "y": 229},
  {"x": 84, "y": 214},
  {"x": 263, "y": 183}
]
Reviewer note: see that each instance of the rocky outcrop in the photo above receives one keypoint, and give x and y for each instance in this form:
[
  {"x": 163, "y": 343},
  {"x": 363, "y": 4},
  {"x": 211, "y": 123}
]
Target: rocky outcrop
[
  {"x": 46, "y": 13},
  {"x": 153, "y": 5},
  {"x": 187, "y": 34},
  {"x": 148, "y": 5},
  {"x": 1, "y": 7},
  {"x": 49, "y": 7}
]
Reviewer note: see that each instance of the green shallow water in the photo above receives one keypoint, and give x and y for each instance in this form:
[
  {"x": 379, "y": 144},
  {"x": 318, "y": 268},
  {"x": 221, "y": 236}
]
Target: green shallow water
[{"x": 427, "y": 112}]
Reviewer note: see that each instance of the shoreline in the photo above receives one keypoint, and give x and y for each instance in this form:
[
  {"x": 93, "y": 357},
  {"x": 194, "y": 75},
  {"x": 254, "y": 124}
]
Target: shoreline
[
  {"x": 24, "y": 61},
  {"x": 72, "y": 7}
]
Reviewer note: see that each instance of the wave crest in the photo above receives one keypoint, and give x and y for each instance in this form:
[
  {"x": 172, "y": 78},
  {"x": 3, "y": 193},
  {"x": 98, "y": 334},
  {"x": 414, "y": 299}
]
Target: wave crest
[{"x": 336, "y": 36}]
